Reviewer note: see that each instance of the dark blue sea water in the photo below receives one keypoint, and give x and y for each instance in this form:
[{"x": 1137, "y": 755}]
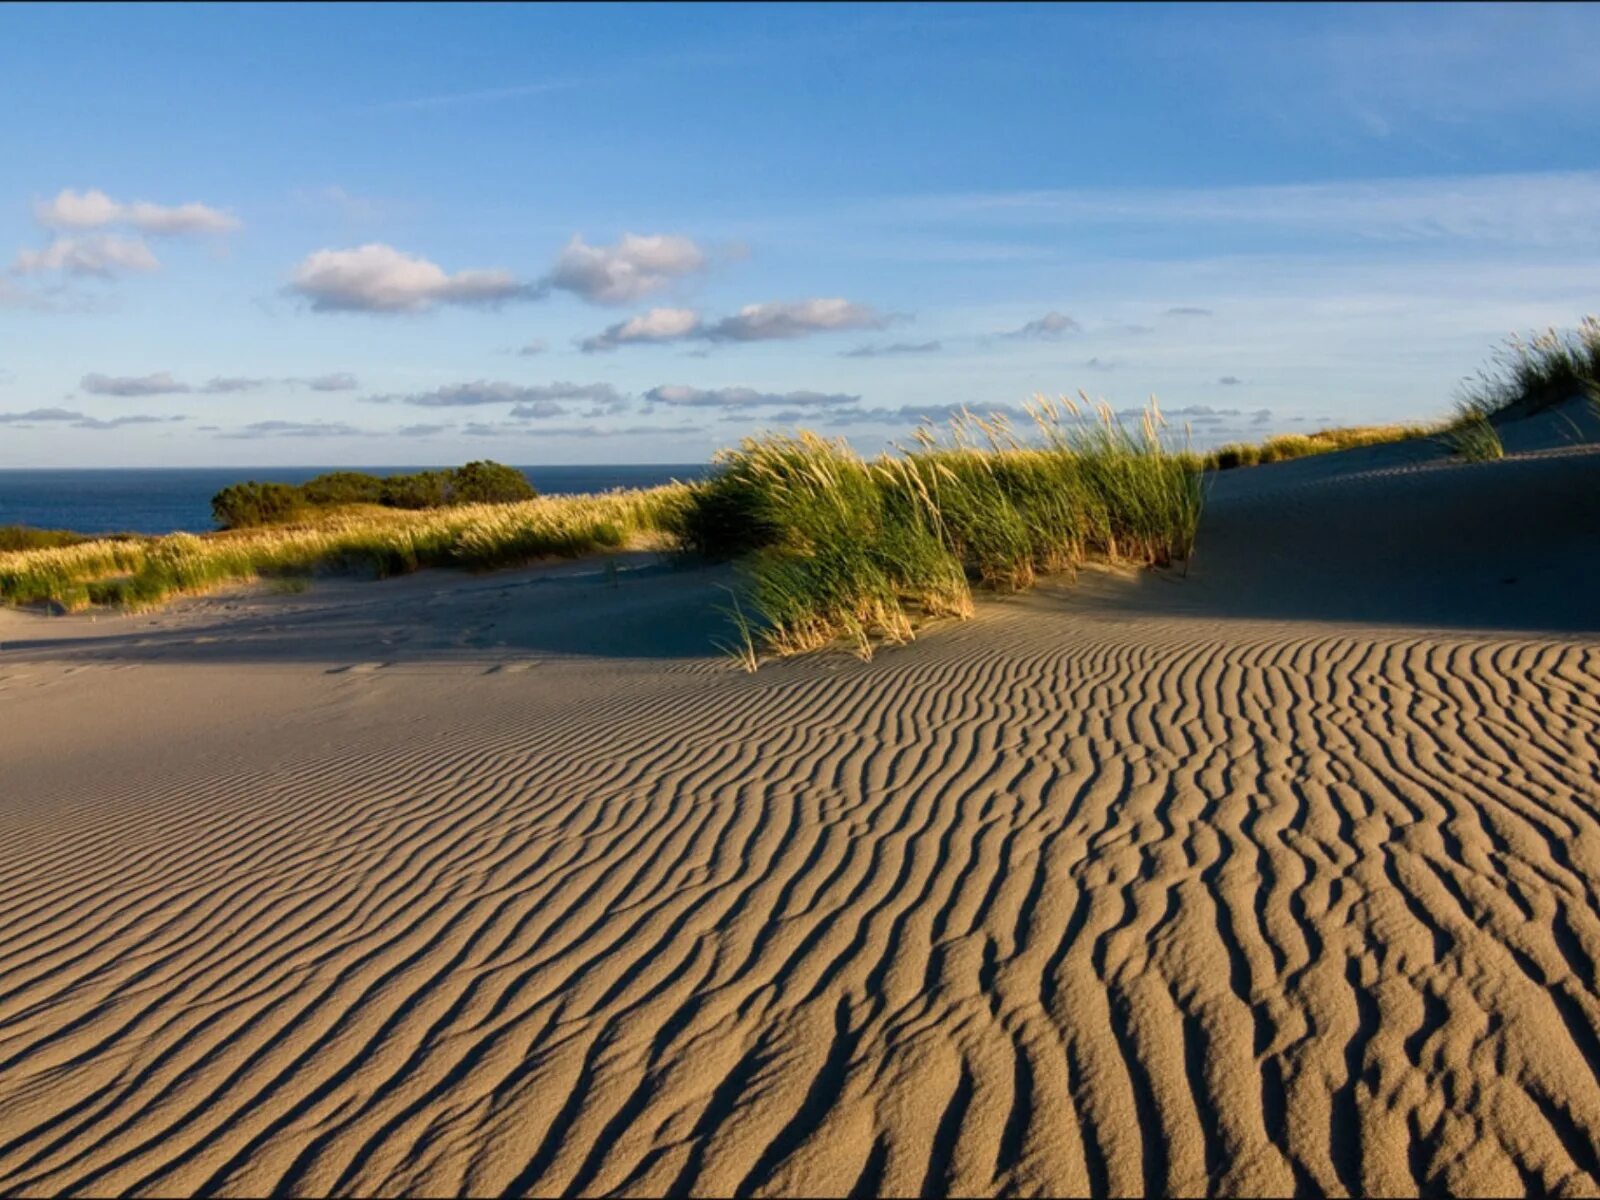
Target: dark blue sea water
[{"x": 161, "y": 501}]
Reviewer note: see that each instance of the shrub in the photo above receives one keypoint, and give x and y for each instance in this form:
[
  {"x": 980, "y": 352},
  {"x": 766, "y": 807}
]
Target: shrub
[
  {"x": 343, "y": 487},
  {"x": 425, "y": 489},
  {"x": 488, "y": 482},
  {"x": 245, "y": 505}
]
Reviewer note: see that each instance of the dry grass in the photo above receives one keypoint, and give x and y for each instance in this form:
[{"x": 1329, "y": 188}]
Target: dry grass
[{"x": 141, "y": 572}]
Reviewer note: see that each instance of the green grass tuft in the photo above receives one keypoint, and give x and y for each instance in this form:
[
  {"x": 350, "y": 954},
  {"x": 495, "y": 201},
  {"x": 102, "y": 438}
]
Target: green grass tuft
[{"x": 843, "y": 548}]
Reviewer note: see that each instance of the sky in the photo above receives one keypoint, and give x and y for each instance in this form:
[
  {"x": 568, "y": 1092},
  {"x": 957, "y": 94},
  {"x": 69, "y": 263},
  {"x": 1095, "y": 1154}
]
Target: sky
[{"x": 376, "y": 235}]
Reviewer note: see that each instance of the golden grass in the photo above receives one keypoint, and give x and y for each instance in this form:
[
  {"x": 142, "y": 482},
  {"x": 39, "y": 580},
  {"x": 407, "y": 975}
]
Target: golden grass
[{"x": 141, "y": 572}]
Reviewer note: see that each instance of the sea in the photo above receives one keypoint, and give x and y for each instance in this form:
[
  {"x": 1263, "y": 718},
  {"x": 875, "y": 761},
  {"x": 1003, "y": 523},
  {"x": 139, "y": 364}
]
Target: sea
[{"x": 160, "y": 500}]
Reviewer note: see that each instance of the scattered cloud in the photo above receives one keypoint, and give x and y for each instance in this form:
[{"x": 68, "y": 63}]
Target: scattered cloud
[
  {"x": 380, "y": 279},
  {"x": 1261, "y": 416},
  {"x": 102, "y": 256},
  {"x": 420, "y": 430},
  {"x": 120, "y": 422},
  {"x": 1187, "y": 311},
  {"x": 532, "y": 347},
  {"x": 1101, "y": 364},
  {"x": 538, "y": 410},
  {"x": 79, "y": 420},
  {"x": 775, "y": 321},
  {"x": 93, "y": 209},
  {"x": 1049, "y": 327},
  {"x": 40, "y": 414},
  {"x": 657, "y": 325},
  {"x": 681, "y": 396},
  {"x": 222, "y": 385},
  {"x": 637, "y": 266},
  {"x": 483, "y": 391},
  {"x": 1230, "y": 381},
  {"x": 337, "y": 381},
  {"x": 159, "y": 384},
  {"x": 893, "y": 348},
  {"x": 903, "y": 416},
  {"x": 293, "y": 429}
]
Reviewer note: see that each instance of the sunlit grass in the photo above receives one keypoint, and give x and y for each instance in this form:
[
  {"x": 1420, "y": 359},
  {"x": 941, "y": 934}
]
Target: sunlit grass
[
  {"x": 369, "y": 540},
  {"x": 842, "y": 548},
  {"x": 1288, "y": 446}
]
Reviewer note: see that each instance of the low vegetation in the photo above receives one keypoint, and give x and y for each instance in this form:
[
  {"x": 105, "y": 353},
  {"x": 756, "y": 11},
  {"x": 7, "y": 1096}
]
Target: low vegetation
[
  {"x": 23, "y": 537},
  {"x": 252, "y": 504},
  {"x": 1531, "y": 375},
  {"x": 834, "y": 546},
  {"x": 1473, "y": 438},
  {"x": 374, "y": 541},
  {"x": 1301, "y": 445},
  {"x": 839, "y": 546}
]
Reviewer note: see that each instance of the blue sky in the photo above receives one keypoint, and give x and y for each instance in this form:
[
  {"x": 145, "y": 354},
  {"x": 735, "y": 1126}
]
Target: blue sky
[{"x": 378, "y": 235}]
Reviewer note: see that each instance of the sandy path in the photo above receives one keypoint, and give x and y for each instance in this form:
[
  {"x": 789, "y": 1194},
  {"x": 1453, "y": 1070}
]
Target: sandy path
[{"x": 1154, "y": 884}]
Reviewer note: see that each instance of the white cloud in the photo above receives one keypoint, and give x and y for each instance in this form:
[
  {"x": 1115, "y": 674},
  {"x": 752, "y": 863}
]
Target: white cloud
[
  {"x": 101, "y": 255},
  {"x": 93, "y": 209},
  {"x": 767, "y": 322},
  {"x": 159, "y": 384},
  {"x": 657, "y": 325},
  {"x": 379, "y": 278},
  {"x": 681, "y": 396},
  {"x": 633, "y": 268}
]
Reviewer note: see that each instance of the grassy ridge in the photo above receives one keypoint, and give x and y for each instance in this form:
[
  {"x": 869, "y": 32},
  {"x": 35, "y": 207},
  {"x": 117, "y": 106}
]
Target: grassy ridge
[
  {"x": 843, "y": 547},
  {"x": 1289, "y": 446},
  {"x": 141, "y": 572}
]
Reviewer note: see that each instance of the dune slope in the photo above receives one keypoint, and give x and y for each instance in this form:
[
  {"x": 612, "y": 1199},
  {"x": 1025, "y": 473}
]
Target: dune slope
[{"x": 1282, "y": 876}]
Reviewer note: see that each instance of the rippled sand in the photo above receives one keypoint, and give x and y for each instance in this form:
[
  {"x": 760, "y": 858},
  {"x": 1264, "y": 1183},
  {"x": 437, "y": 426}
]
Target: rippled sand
[{"x": 1280, "y": 876}]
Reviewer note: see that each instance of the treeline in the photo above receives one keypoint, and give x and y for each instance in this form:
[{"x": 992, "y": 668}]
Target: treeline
[{"x": 244, "y": 505}]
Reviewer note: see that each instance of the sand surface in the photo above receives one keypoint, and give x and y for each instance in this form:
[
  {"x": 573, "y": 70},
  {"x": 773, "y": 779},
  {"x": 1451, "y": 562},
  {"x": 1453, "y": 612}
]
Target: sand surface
[{"x": 1282, "y": 876}]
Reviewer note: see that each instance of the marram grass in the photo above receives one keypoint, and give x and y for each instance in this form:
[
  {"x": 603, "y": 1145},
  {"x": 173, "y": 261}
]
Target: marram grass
[
  {"x": 143, "y": 572},
  {"x": 845, "y": 548}
]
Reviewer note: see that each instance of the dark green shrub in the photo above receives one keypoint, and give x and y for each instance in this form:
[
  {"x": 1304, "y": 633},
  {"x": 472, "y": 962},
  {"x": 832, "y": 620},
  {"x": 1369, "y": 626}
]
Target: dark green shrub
[
  {"x": 244, "y": 505},
  {"x": 486, "y": 482},
  {"x": 425, "y": 489},
  {"x": 343, "y": 487}
]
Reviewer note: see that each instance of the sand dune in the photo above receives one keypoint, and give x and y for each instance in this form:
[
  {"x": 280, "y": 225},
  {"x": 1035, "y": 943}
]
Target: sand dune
[{"x": 1278, "y": 877}]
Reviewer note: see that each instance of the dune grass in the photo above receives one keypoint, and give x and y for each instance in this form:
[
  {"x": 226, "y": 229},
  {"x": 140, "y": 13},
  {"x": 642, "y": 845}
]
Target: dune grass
[
  {"x": 1473, "y": 438},
  {"x": 1531, "y": 374},
  {"x": 25, "y": 537},
  {"x": 1289, "y": 446},
  {"x": 139, "y": 573},
  {"x": 841, "y": 547}
]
